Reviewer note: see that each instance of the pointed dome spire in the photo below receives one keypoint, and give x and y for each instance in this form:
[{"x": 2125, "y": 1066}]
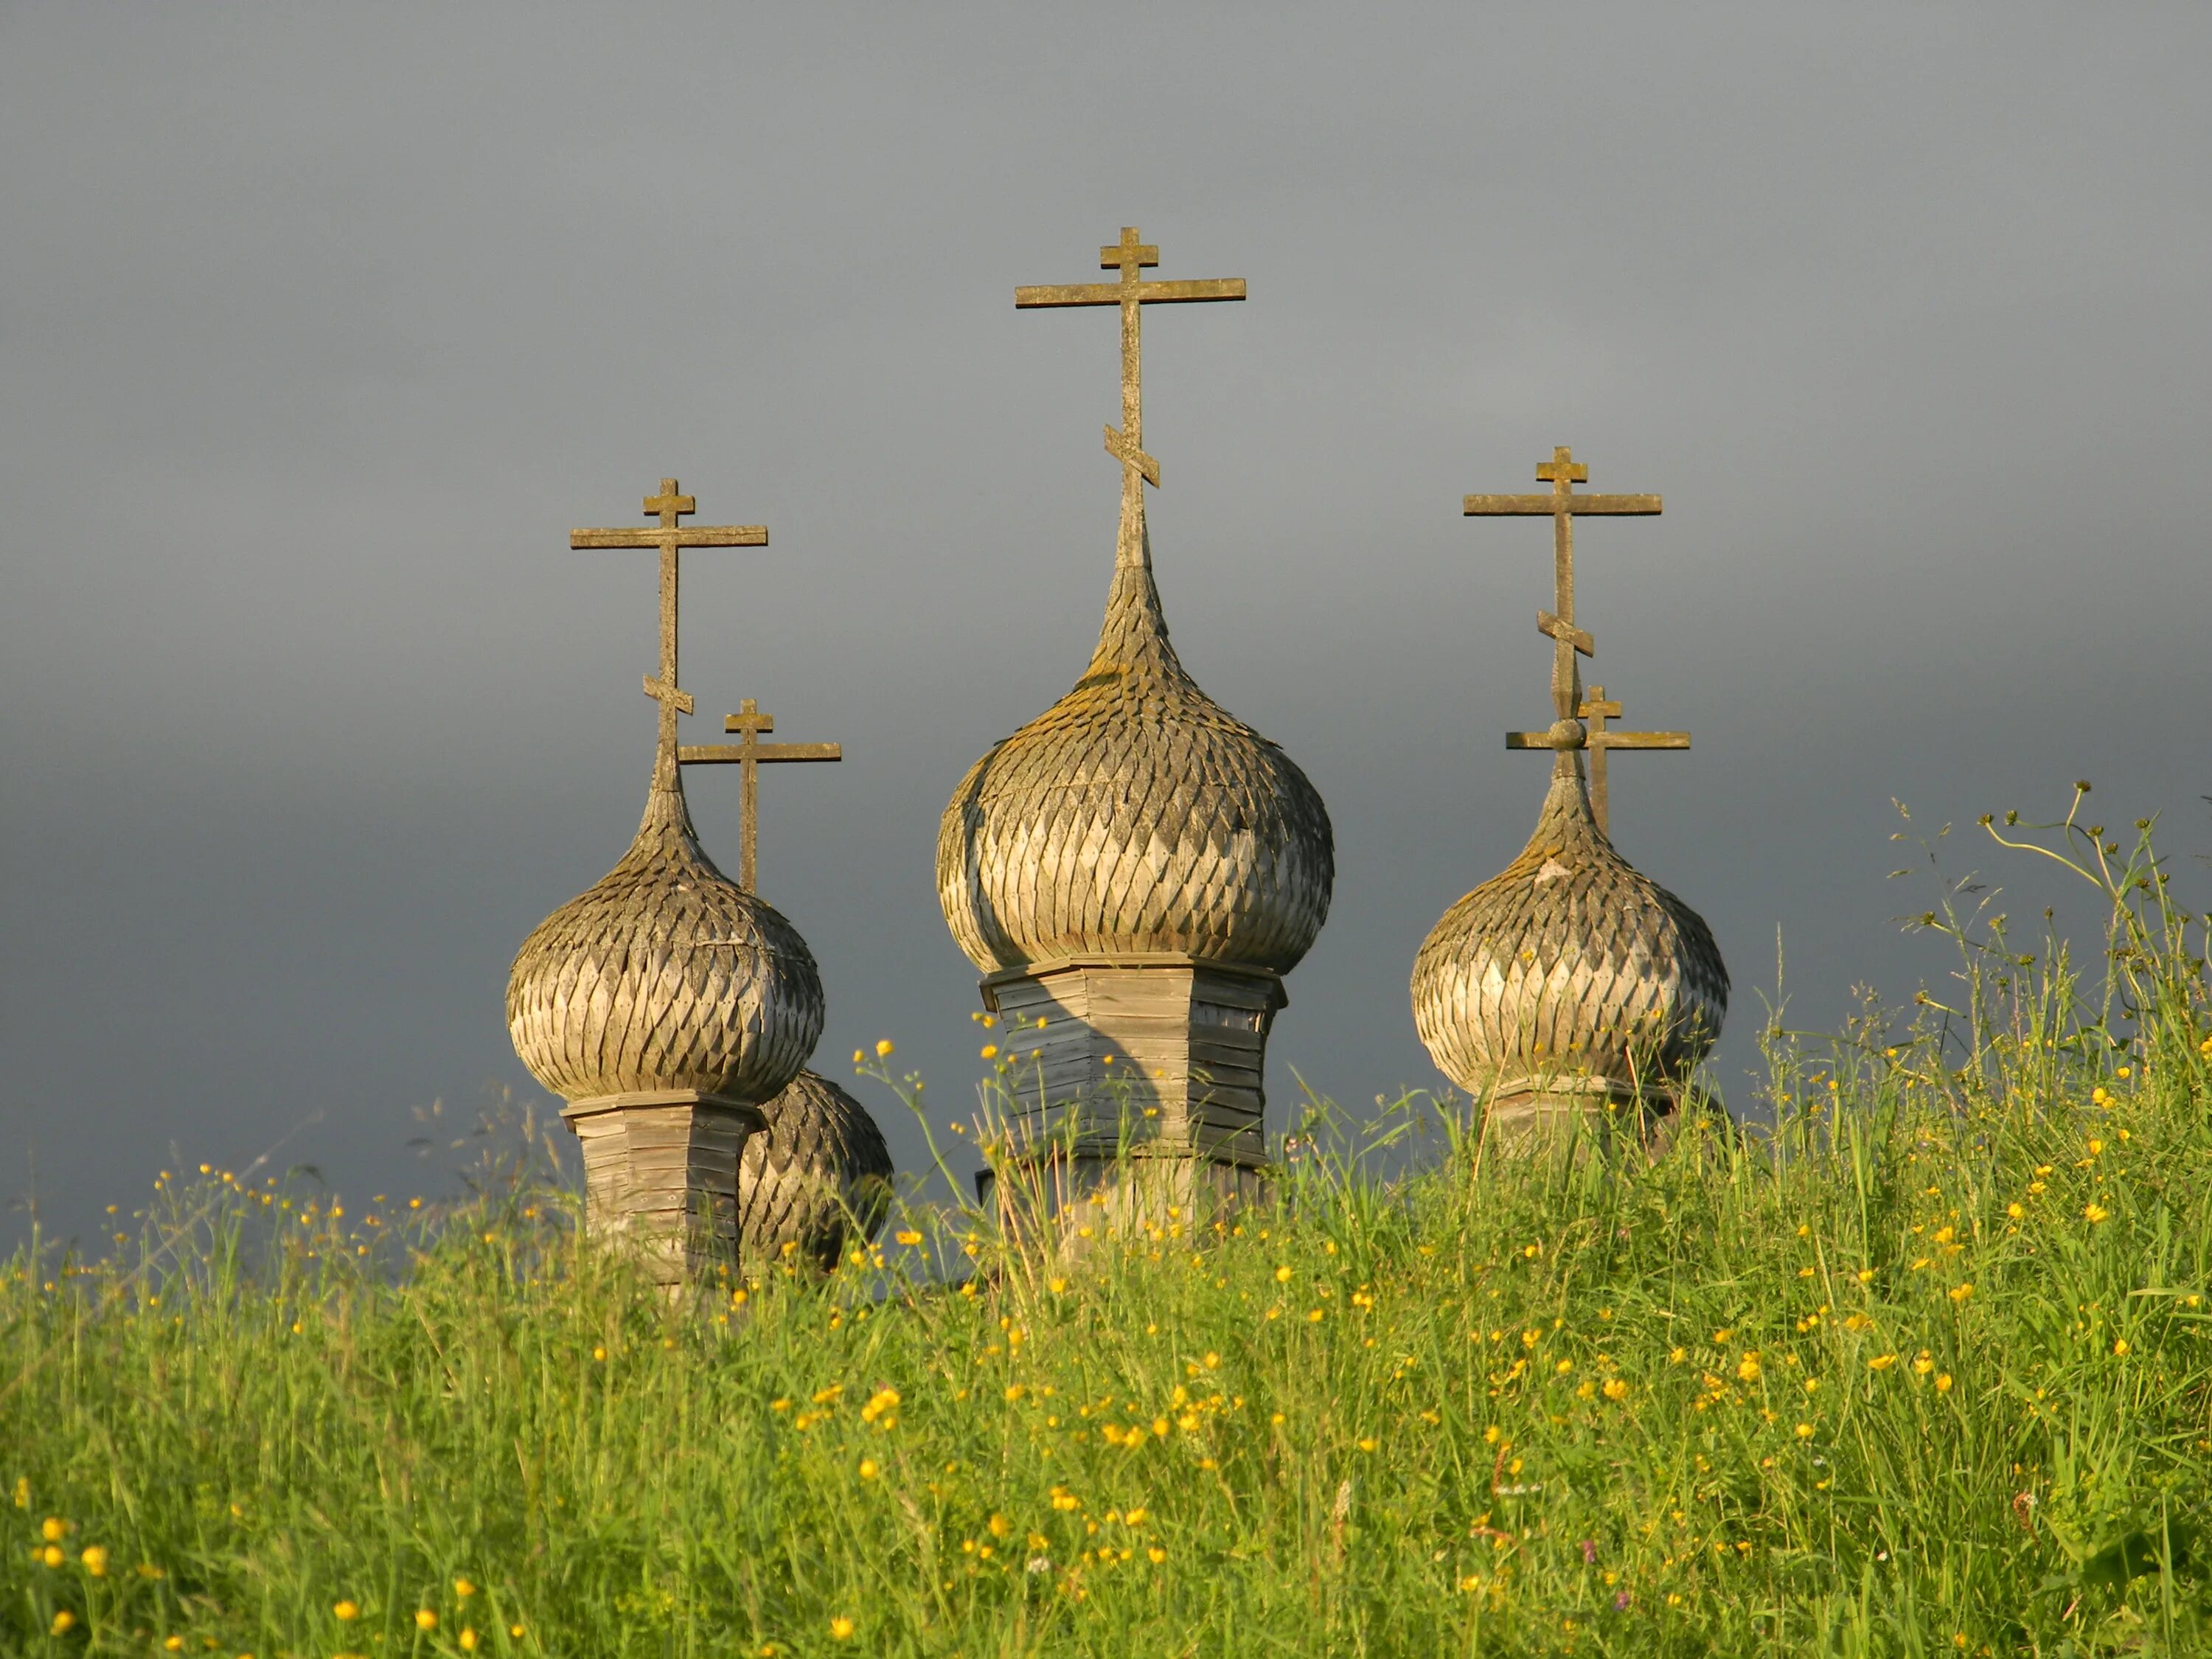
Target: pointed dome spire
[
  {"x": 664, "y": 976},
  {"x": 1569, "y": 972},
  {"x": 1135, "y": 815}
]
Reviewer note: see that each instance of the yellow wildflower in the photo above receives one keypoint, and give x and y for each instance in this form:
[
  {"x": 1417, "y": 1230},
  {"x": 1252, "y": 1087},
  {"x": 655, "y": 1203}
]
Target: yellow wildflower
[
  {"x": 65, "y": 1621},
  {"x": 346, "y": 1612},
  {"x": 1882, "y": 1362},
  {"x": 1944, "y": 1382},
  {"x": 95, "y": 1560},
  {"x": 2095, "y": 1212},
  {"x": 425, "y": 1618},
  {"x": 842, "y": 1627},
  {"x": 52, "y": 1529}
]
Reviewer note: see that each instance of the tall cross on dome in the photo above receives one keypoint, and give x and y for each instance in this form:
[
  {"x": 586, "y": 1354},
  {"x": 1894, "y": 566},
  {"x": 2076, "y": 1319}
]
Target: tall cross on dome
[
  {"x": 748, "y": 756},
  {"x": 1562, "y": 505},
  {"x": 1132, "y": 292},
  {"x": 670, "y": 508}
]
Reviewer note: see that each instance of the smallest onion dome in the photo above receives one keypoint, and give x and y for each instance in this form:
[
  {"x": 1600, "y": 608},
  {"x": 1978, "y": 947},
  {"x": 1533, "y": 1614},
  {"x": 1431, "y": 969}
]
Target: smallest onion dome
[
  {"x": 666, "y": 976},
  {"x": 1570, "y": 973},
  {"x": 816, "y": 1183}
]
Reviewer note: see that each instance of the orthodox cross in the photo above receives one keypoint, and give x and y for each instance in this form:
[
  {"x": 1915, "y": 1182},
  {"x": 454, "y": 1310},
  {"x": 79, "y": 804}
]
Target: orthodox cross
[
  {"x": 747, "y": 755},
  {"x": 668, "y": 535},
  {"x": 1596, "y": 711},
  {"x": 1132, "y": 292},
  {"x": 1562, "y": 505}
]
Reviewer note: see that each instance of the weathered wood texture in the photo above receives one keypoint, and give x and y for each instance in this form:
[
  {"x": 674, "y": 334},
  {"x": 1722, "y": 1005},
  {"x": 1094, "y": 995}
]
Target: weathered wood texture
[
  {"x": 660, "y": 1174},
  {"x": 664, "y": 976},
  {"x": 1161, "y": 1057},
  {"x": 1134, "y": 816},
  {"x": 1569, "y": 975},
  {"x": 816, "y": 1182}
]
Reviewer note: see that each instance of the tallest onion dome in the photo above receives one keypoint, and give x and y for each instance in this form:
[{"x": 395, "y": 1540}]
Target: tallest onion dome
[
  {"x": 1135, "y": 816},
  {"x": 666, "y": 976}
]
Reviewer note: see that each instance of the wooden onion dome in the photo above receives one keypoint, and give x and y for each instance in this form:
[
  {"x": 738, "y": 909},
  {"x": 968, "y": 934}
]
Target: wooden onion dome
[
  {"x": 1570, "y": 981},
  {"x": 816, "y": 1182},
  {"x": 1135, "y": 816},
  {"x": 1136, "y": 869},
  {"x": 1570, "y": 974},
  {"x": 667, "y": 1003},
  {"x": 665, "y": 976}
]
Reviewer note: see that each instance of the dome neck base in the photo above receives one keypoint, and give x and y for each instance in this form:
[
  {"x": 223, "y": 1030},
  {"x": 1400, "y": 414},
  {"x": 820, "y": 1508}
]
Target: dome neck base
[
  {"x": 1576, "y": 1118},
  {"x": 1158, "y": 1057},
  {"x": 661, "y": 1175}
]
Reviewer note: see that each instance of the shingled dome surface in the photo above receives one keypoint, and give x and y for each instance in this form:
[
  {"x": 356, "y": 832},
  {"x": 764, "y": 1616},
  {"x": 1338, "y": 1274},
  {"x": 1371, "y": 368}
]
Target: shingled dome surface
[
  {"x": 818, "y": 1181},
  {"x": 1568, "y": 971},
  {"x": 665, "y": 976},
  {"x": 1135, "y": 815}
]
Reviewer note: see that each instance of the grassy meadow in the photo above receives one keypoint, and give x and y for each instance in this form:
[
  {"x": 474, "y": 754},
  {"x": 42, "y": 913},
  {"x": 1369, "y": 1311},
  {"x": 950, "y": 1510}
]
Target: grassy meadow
[{"x": 1926, "y": 1370}]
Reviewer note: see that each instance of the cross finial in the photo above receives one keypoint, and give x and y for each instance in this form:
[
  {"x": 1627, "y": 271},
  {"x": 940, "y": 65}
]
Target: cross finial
[
  {"x": 1562, "y": 505},
  {"x": 1132, "y": 294},
  {"x": 1596, "y": 711},
  {"x": 670, "y": 508},
  {"x": 748, "y": 756}
]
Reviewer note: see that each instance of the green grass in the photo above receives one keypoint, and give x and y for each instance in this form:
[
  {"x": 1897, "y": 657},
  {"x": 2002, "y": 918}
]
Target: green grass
[{"x": 1927, "y": 1370}]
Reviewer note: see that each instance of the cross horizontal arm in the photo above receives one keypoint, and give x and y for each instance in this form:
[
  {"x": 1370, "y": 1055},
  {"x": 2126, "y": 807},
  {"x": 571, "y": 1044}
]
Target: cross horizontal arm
[
  {"x": 702, "y": 535},
  {"x": 676, "y": 698},
  {"x": 1539, "y": 740},
  {"x": 730, "y": 754},
  {"x": 1112, "y": 293},
  {"x": 1122, "y": 450},
  {"x": 1553, "y": 628},
  {"x": 1543, "y": 507},
  {"x": 1640, "y": 739}
]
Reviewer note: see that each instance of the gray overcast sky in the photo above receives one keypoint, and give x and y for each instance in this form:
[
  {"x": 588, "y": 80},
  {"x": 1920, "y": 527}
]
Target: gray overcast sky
[{"x": 320, "y": 327}]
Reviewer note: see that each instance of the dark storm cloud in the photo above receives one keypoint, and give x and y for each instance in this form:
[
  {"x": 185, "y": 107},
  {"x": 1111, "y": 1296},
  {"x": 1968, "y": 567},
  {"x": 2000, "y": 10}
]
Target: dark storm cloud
[{"x": 321, "y": 328}]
